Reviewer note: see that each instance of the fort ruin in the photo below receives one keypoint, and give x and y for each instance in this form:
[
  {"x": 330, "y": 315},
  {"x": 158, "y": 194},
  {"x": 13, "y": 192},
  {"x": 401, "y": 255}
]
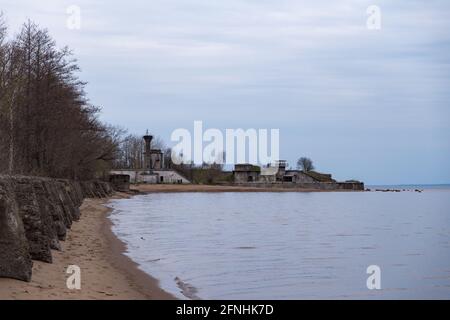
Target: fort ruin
[
  {"x": 251, "y": 175},
  {"x": 154, "y": 170}
]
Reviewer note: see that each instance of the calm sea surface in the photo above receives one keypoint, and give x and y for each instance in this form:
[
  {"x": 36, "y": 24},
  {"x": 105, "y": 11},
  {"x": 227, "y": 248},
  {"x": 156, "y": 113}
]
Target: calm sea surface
[{"x": 290, "y": 245}]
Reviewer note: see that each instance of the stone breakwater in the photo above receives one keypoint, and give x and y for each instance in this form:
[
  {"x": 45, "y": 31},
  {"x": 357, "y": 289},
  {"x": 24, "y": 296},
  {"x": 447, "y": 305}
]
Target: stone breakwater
[{"x": 35, "y": 214}]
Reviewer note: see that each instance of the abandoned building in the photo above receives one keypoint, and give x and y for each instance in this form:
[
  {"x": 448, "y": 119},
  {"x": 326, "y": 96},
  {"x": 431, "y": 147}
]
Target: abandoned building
[
  {"x": 248, "y": 174},
  {"x": 154, "y": 170}
]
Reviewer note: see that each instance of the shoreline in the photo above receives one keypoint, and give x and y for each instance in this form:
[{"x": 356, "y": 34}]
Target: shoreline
[
  {"x": 146, "y": 284},
  {"x": 106, "y": 272}
]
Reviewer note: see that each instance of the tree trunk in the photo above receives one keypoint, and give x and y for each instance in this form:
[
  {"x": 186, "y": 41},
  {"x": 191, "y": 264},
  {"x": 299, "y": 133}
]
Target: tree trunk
[{"x": 11, "y": 133}]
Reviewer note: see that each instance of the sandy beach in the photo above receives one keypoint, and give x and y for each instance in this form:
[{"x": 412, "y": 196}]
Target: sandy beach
[{"x": 105, "y": 272}]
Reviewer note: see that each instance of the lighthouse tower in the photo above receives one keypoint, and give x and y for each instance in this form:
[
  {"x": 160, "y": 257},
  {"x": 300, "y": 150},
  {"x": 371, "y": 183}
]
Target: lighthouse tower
[{"x": 147, "y": 153}]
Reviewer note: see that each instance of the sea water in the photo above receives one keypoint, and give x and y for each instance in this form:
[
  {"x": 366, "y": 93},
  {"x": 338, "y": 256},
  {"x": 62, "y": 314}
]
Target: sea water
[{"x": 316, "y": 245}]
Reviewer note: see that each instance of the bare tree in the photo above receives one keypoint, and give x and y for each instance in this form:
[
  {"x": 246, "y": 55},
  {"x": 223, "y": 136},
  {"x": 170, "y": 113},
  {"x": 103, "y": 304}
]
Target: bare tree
[
  {"x": 47, "y": 125},
  {"x": 305, "y": 164},
  {"x": 10, "y": 81}
]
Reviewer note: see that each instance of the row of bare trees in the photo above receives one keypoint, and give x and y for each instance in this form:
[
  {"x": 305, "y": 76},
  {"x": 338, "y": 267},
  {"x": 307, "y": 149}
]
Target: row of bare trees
[{"x": 47, "y": 125}]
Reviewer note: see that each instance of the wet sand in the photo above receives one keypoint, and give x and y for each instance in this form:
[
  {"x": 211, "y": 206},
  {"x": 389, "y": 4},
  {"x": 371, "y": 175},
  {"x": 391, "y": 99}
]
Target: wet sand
[{"x": 105, "y": 272}]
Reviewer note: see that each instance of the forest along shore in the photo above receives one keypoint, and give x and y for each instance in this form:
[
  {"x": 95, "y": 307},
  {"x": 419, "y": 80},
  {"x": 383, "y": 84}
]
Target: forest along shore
[{"x": 106, "y": 273}]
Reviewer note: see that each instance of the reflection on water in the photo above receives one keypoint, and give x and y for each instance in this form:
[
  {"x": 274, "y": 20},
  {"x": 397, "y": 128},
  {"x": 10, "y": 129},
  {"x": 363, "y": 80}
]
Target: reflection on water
[{"x": 290, "y": 245}]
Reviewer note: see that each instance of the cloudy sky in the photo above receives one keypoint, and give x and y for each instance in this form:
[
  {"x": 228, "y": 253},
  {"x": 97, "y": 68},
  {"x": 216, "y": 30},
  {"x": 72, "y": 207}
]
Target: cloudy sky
[{"x": 366, "y": 104}]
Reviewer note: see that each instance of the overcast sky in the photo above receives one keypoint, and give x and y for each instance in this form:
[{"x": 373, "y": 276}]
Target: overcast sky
[{"x": 364, "y": 104}]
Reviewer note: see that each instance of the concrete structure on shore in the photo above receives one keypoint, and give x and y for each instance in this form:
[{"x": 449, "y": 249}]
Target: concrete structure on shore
[
  {"x": 153, "y": 176},
  {"x": 35, "y": 214},
  {"x": 120, "y": 182},
  {"x": 153, "y": 158},
  {"x": 154, "y": 170},
  {"x": 251, "y": 175}
]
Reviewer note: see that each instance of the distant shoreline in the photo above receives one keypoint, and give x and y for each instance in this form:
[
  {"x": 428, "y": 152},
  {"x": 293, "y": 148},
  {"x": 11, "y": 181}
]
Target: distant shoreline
[{"x": 173, "y": 188}]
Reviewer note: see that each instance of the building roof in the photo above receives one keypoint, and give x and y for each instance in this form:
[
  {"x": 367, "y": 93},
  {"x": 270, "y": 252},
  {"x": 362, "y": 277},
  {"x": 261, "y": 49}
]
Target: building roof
[
  {"x": 321, "y": 177},
  {"x": 246, "y": 167}
]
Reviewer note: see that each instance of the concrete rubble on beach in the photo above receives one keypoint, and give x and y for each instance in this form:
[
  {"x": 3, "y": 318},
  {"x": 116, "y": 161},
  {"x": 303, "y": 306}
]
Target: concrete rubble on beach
[{"x": 35, "y": 214}]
